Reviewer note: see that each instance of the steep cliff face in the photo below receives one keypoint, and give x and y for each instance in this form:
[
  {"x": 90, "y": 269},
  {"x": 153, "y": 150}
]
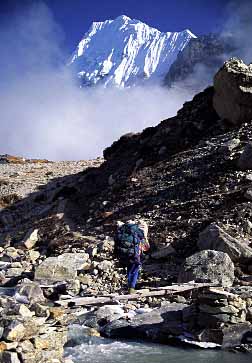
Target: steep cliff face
[
  {"x": 124, "y": 52},
  {"x": 207, "y": 52}
]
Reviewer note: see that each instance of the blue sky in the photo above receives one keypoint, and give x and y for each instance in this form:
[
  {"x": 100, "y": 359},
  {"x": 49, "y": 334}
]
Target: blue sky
[{"x": 75, "y": 16}]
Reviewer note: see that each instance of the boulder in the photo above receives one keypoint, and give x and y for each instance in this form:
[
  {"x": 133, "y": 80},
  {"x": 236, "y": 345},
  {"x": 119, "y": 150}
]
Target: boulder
[
  {"x": 30, "y": 292},
  {"x": 215, "y": 238},
  {"x": 15, "y": 331},
  {"x": 51, "y": 340},
  {"x": 233, "y": 91},
  {"x": 208, "y": 266},
  {"x": 235, "y": 335},
  {"x": 245, "y": 160},
  {"x": 156, "y": 325},
  {"x": 101, "y": 316},
  {"x": 61, "y": 268},
  {"x": 21, "y": 329}
]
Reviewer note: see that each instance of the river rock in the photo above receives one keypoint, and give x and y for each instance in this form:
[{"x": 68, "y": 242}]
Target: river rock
[
  {"x": 218, "y": 309},
  {"x": 155, "y": 325},
  {"x": 215, "y": 238},
  {"x": 101, "y": 316},
  {"x": 233, "y": 91},
  {"x": 208, "y": 266},
  {"x": 61, "y": 268},
  {"x": 234, "y": 335}
]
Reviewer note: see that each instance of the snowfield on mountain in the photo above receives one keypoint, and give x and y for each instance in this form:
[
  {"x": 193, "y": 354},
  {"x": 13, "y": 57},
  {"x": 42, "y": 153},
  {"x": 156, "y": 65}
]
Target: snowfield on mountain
[{"x": 124, "y": 52}]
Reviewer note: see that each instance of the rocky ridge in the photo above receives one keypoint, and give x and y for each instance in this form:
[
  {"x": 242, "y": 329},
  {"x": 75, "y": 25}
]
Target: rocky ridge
[
  {"x": 190, "y": 178},
  {"x": 202, "y": 57}
]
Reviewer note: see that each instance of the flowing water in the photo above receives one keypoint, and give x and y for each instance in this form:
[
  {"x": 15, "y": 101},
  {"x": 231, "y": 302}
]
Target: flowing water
[{"x": 97, "y": 350}]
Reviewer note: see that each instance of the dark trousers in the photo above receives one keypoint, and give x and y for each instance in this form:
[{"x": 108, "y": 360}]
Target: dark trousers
[{"x": 132, "y": 273}]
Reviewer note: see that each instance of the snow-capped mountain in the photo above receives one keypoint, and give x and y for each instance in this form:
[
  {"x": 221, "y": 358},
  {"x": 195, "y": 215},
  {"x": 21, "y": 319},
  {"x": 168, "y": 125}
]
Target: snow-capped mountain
[{"x": 124, "y": 51}]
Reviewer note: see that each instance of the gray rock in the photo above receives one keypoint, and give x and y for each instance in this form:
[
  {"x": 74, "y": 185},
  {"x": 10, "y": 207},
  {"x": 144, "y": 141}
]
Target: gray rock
[
  {"x": 1, "y": 332},
  {"x": 20, "y": 329},
  {"x": 230, "y": 145},
  {"x": 101, "y": 316},
  {"x": 163, "y": 252},
  {"x": 208, "y": 266},
  {"x": 248, "y": 194},
  {"x": 14, "y": 272},
  {"x": 155, "y": 325},
  {"x": 234, "y": 335},
  {"x": 245, "y": 160},
  {"x": 51, "y": 340},
  {"x": 218, "y": 309},
  {"x": 105, "y": 265},
  {"x": 233, "y": 91},
  {"x": 61, "y": 268},
  {"x": 15, "y": 331},
  {"x": 215, "y": 238},
  {"x": 31, "y": 291},
  {"x": 9, "y": 357}
]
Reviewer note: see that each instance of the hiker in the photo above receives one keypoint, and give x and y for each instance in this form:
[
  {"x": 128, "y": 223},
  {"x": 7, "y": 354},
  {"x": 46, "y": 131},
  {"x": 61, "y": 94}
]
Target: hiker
[{"x": 131, "y": 241}]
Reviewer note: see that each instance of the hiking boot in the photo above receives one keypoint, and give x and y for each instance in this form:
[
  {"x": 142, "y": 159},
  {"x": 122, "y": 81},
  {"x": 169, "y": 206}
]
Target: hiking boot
[{"x": 132, "y": 290}]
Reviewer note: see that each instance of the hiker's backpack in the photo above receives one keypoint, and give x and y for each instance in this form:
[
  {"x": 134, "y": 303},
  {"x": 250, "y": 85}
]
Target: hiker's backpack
[{"x": 127, "y": 243}]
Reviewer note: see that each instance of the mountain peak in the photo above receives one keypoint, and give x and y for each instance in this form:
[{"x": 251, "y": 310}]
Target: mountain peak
[
  {"x": 122, "y": 18},
  {"x": 124, "y": 51},
  {"x": 188, "y": 31}
]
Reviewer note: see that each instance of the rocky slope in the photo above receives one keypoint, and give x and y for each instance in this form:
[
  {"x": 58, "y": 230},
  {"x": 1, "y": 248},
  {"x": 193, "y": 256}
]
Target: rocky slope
[
  {"x": 124, "y": 52},
  {"x": 199, "y": 61},
  {"x": 190, "y": 178}
]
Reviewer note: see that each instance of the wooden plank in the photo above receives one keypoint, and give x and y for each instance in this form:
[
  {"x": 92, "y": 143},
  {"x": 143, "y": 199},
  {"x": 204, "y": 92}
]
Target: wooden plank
[
  {"x": 185, "y": 287},
  {"x": 106, "y": 299}
]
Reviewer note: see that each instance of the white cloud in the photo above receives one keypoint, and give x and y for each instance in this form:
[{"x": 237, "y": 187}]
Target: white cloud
[{"x": 44, "y": 113}]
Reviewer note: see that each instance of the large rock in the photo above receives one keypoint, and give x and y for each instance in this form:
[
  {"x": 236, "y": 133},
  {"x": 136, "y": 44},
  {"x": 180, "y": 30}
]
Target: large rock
[
  {"x": 21, "y": 329},
  {"x": 237, "y": 334},
  {"x": 156, "y": 325},
  {"x": 29, "y": 292},
  {"x": 215, "y": 238},
  {"x": 61, "y": 268},
  {"x": 208, "y": 266},
  {"x": 102, "y": 316},
  {"x": 233, "y": 91}
]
